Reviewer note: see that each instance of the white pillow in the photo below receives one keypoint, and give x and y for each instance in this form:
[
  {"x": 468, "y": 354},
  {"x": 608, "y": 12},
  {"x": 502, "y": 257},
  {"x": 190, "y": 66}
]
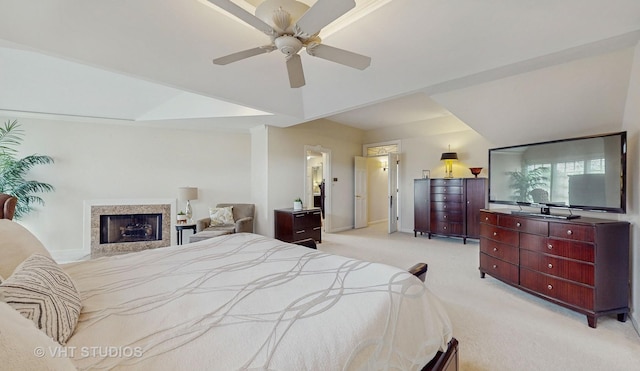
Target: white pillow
[
  {"x": 24, "y": 347},
  {"x": 42, "y": 292},
  {"x": 221, "y": 215}
]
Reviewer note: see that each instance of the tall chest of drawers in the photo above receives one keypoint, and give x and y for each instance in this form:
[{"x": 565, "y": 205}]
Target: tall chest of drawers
[
  {"x": 296, "y": 225},
  {"x": 453, "y": 206},
  {"x": 581, "y": 264}
]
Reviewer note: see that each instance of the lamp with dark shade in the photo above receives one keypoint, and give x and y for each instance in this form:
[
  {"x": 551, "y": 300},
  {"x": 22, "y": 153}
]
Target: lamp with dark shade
[{"x": 448, "y": 158}]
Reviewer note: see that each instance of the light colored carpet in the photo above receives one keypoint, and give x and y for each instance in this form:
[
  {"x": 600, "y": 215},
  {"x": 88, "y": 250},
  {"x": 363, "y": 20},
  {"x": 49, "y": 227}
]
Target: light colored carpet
[{"x": 498, "y": 326}]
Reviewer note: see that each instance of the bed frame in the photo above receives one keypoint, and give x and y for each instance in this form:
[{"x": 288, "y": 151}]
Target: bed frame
[{"x": 443, "y": 361}]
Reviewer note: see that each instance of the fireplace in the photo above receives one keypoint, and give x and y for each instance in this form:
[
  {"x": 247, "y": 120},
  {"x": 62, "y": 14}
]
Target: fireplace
[
  {"x": 130, "y": 228},
  {"x": 118, "y": 227}
]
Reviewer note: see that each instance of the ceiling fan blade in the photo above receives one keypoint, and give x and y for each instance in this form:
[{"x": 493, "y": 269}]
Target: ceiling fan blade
[
  {"x": 341, "y": 56},
  {"x": 244, "y": 54},
  {"x": 247, "y": 17},
  {"x": 294, "y": 68},
  {"x": 321, "y": 14}
]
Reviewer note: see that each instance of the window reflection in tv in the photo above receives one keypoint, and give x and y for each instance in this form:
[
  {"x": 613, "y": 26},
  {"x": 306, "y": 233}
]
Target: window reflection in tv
[{"x": 587, "y": 173}]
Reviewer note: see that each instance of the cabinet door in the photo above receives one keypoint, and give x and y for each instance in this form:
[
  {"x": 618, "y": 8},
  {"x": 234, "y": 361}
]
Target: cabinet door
[
  {"x": 421, "y": 205},
  {"x": 475, "y": 200}
]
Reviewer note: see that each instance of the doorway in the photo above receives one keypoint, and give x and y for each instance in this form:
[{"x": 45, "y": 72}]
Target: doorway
[
  {"x": 376, "y": 191},
  {"x": 317, "y": 184}
]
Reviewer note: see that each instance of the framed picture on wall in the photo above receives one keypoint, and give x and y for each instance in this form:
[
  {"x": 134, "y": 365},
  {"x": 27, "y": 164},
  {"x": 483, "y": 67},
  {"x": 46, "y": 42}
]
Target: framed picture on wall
[{"x": 426, "y": 174}]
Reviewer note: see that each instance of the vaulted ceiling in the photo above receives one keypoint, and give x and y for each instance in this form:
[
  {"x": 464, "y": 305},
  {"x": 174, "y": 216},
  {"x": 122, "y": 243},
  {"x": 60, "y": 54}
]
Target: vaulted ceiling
[{"x": 149, "y": 62}]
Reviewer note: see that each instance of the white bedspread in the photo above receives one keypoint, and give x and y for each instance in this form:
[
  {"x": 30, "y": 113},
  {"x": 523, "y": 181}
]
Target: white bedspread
[{"x": 245, "y": 301}]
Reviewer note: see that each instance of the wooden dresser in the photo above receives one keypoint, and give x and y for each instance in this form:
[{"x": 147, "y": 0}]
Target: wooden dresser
[
  {"x": 297, "y": 225},
  {"x": 581, "y": 264},
  {"x": 449, "y": 207}
]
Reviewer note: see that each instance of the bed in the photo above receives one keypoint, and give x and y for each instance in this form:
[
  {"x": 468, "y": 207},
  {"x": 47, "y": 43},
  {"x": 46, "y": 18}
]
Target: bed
[{"x": 246, "y": 301}]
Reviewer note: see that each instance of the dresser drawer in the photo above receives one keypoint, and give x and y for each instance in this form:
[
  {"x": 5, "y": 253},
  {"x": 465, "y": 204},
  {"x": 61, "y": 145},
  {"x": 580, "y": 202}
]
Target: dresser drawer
[
  {"x": 571, "y": 231},
  {"x": 306, "y": 219},
  {"x": 446, "y": 216},
  {"x": 524, "y": 225},
  {"x": 447, "y": 206},
  {"x": 568, "y": 249},
  {"x": 303, "y": 234},
  {"x": 446, "y": 228},
  {"x": 498, "y": 234},
  {"x": 499, "y": 269},
  {"x": 488, "y": 218},
  {"x": 499, "y": 250},
  {"x": 446, "y": 182},
  {"x": 446, "y": 197},
  {"x": 565, "y": 291},
  {"x": 446, "y": 190},
  {"x": 559, "y": 267}
]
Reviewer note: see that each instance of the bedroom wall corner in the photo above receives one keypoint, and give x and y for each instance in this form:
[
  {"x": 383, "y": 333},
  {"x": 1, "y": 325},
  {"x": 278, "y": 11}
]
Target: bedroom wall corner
[{"x": 631, "y": 123}]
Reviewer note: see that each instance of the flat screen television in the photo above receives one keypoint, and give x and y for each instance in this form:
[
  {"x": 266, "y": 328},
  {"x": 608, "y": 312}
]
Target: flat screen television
[{"x": 585, "y": 173}]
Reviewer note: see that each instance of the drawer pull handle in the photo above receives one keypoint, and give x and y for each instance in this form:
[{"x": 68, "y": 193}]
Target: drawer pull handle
[
  {"x": 550, "y": 265},
  {"x": 569, "y": 232},
  {"x": 495, "y": 233},
  {"x": 445, "y": 228},
  {"x": 445, "y": 197},
  {"x": 444, "y": 207},
  {"x": 550, "y": 246},
  {"x": 495, "y": 249},
  {"x": 316, "y": 213},
  {"x": 495, "y": 266},
  {"x": 445, "y": 216},
  {"x": 486, "y": 218},
  {"x": 316, "y": 228},
  {"x": 300, "y": 215},
  {"x": 550, "y": 287},
  {"x": 518, "y": 224},
  {"x": 301, "y": 231}
]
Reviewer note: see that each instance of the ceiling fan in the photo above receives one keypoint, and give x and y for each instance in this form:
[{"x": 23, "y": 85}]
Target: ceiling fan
[{"x": 292, "y": 25}]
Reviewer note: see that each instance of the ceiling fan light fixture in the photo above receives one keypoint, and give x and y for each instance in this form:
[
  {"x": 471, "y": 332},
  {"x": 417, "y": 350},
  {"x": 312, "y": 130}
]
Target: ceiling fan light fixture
[{"x": 288, "y": 45}]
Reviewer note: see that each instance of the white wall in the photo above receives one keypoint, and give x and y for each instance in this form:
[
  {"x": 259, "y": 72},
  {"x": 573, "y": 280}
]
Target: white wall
[
  {"x": 107, "y": 161},
  {"x": 286, "y": 163},
  {"x": 632, "y": 125},
  {"x": 378, "y": 190}
]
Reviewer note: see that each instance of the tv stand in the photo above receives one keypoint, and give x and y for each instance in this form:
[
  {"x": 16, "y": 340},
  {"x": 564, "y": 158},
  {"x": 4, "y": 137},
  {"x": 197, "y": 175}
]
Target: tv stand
[{"x": 580, "y": 264}]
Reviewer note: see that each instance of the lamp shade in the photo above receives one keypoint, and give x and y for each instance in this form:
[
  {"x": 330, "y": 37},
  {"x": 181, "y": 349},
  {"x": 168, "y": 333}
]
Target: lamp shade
[
  {"x": 449, "y": 156},
  {"x": 188, "y": 193}
]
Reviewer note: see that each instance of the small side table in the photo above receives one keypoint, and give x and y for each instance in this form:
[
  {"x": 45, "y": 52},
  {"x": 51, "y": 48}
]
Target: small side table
[{"x": 182, "y": 227}]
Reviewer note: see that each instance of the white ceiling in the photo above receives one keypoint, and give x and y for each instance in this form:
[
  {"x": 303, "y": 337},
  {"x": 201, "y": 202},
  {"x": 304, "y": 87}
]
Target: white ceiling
[{"x": 149, "y": 61}]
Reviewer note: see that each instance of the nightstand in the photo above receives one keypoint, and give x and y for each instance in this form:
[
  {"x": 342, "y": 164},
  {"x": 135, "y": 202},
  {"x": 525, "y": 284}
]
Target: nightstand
[{"x": 182, "y": 227}]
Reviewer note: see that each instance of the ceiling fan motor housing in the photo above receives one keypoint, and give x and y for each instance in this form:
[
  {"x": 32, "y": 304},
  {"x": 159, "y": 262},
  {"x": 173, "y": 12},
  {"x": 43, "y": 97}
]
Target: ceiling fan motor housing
[{"x": 288, "y": 45}]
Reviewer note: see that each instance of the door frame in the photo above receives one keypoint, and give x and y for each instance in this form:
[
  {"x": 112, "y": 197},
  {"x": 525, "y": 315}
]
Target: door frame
[
  {"x": 326, "y": 174},
  {"x": 398, "y": 151}
]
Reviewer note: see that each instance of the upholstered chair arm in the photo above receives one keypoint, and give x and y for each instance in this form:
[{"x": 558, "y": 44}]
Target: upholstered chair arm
[
  {"x": 244, "y": 225},
  {"x": 203, "y": 224}
]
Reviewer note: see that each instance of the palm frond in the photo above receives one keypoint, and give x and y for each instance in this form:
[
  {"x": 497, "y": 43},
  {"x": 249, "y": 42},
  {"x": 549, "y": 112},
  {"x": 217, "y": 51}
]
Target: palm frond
[{"x": 10, "y": 135}]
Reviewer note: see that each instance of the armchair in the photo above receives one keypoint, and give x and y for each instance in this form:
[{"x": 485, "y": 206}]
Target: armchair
[
  {"x": 7, "y": 206},
  {"x": 242, "y": 215}
]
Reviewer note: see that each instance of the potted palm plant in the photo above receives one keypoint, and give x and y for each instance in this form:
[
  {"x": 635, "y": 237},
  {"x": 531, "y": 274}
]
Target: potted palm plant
[{"x": 13, "y": 170}]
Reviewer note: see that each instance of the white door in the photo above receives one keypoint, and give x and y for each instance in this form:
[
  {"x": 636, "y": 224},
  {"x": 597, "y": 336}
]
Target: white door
[
  {"x": 392, "y": 162},
  {"x": 360, "y": 192}
]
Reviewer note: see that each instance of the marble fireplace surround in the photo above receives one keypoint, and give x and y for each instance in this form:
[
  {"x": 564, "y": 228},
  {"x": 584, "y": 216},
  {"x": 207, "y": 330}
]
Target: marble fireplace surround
[{"x": 95, "y": 208}]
